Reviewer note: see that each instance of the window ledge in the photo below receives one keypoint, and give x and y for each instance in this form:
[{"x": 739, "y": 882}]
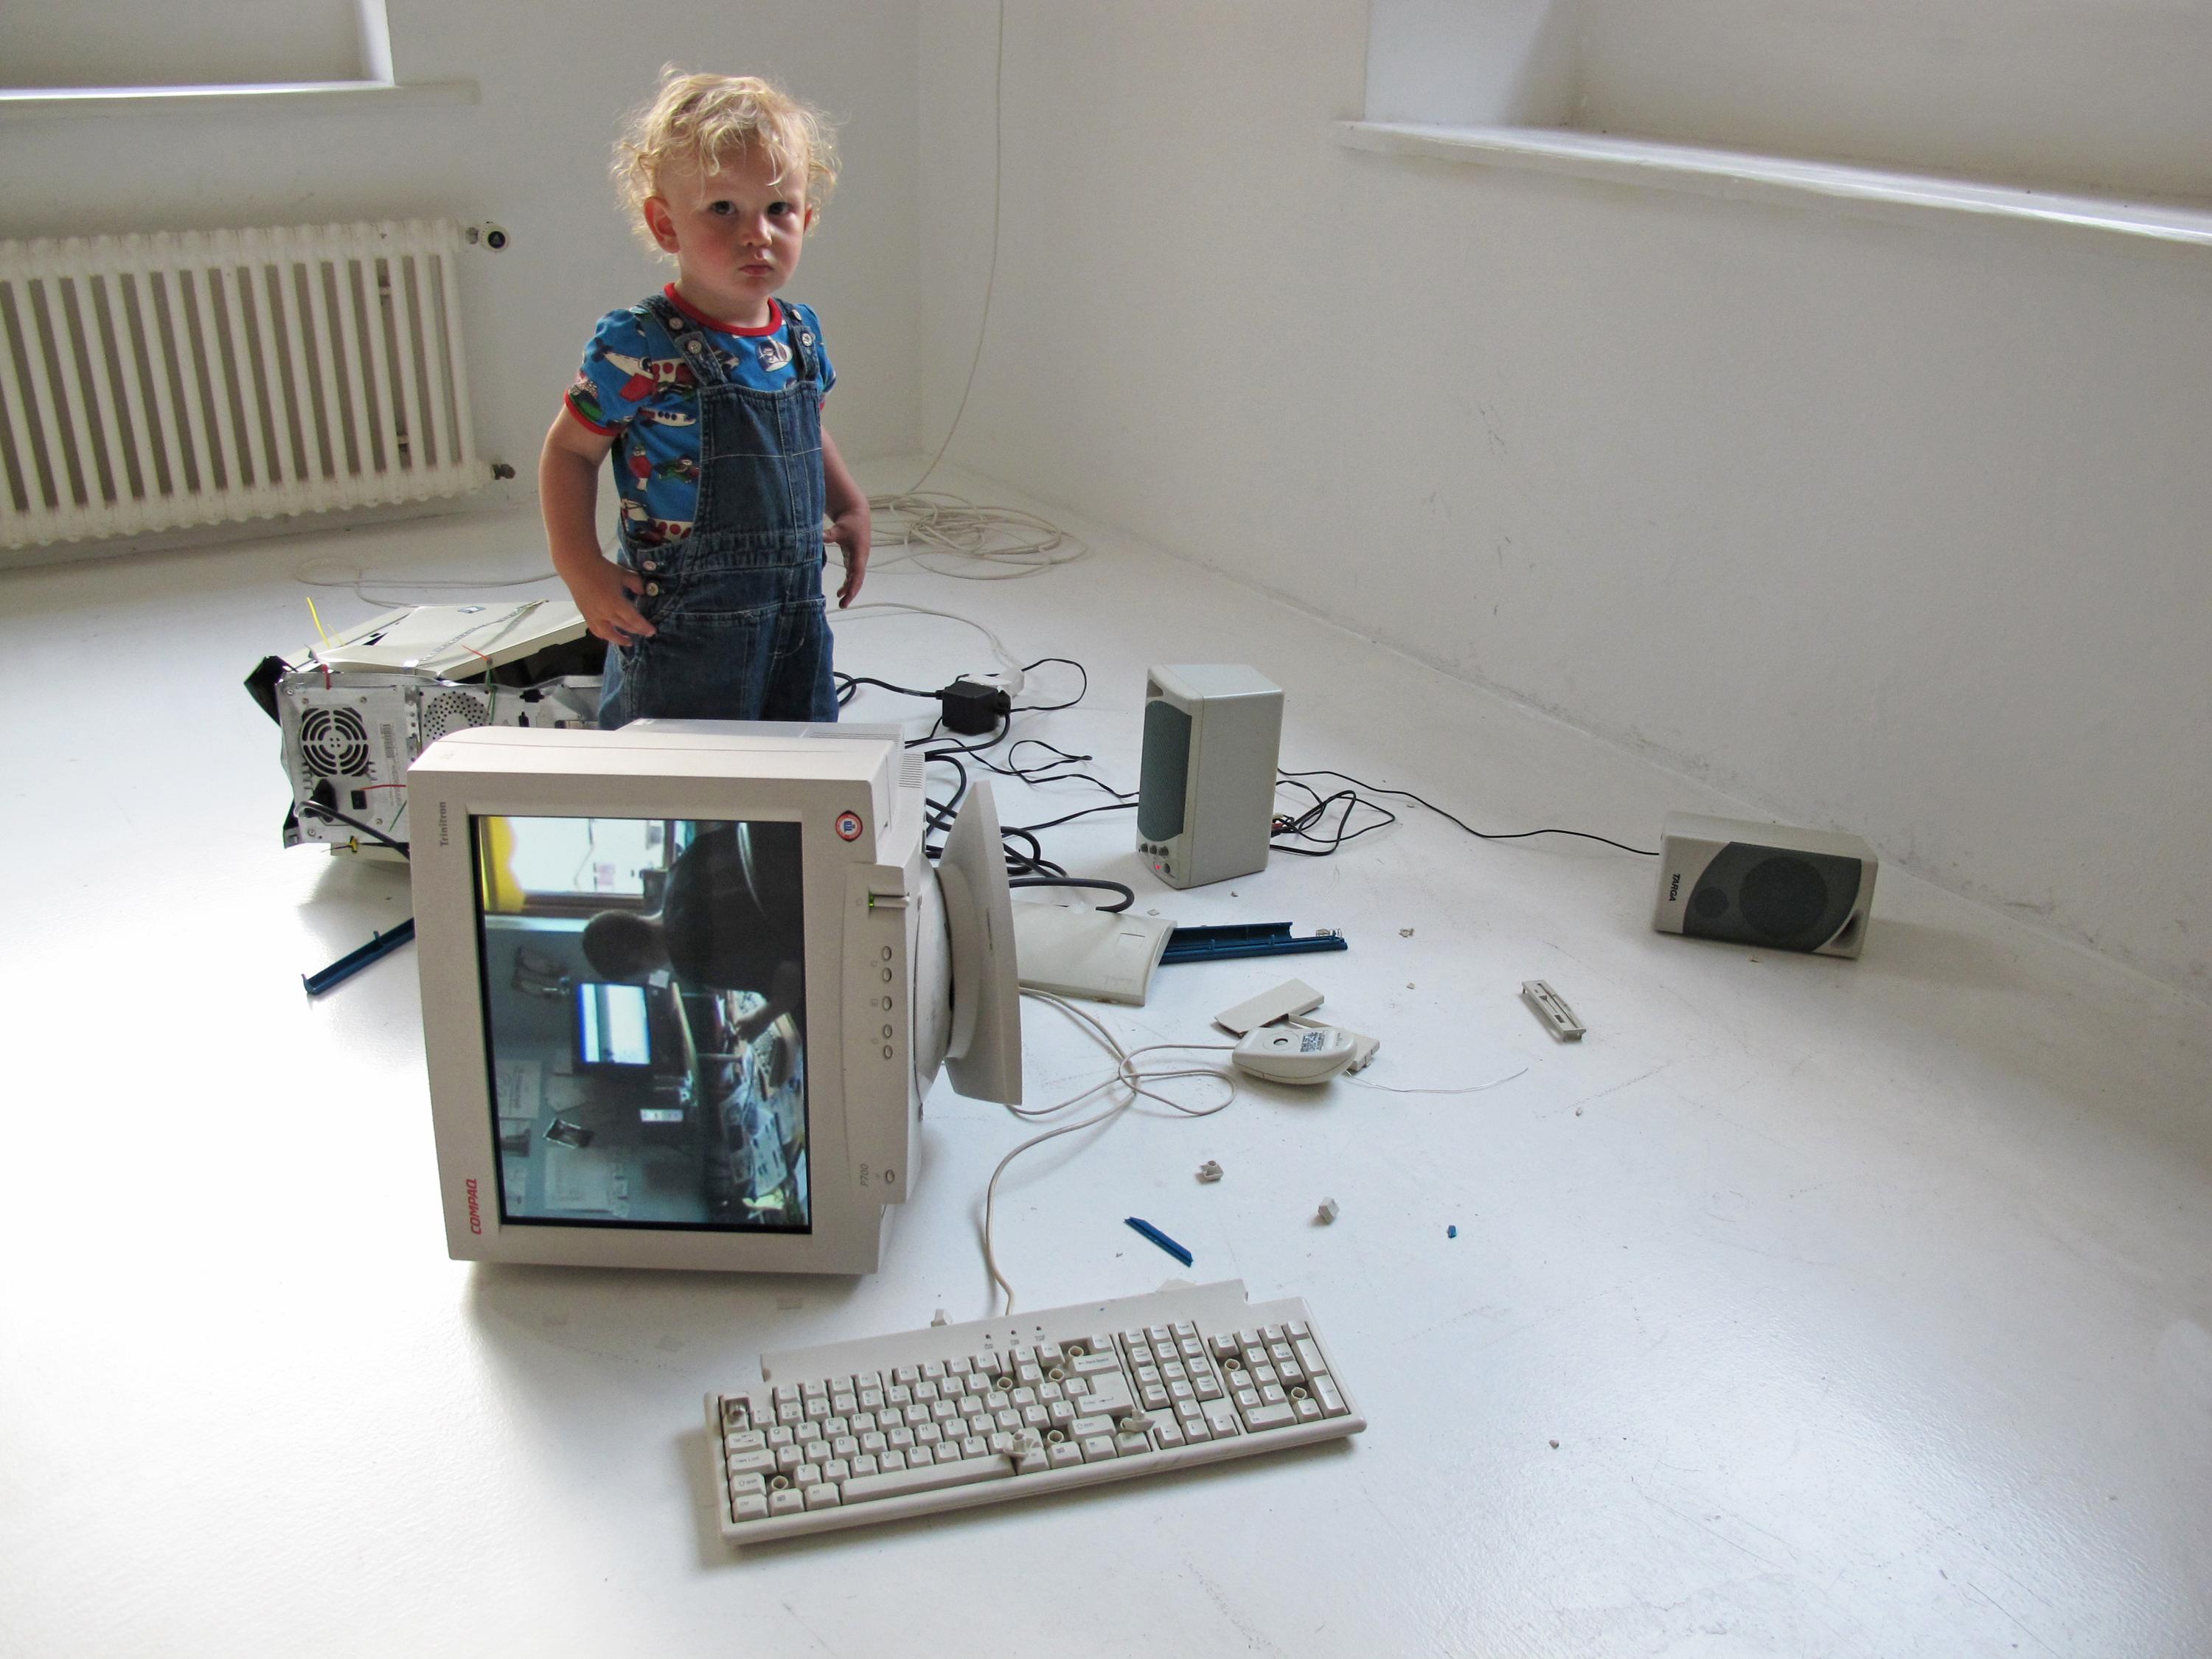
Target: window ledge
[
  {"x": 39, "y": 103},
  {"x": 1742, "y": 175}
]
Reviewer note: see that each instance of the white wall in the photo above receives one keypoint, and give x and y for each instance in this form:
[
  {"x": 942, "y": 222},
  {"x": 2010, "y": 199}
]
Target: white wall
[
  {"x": 2105, "y": 93},
  {"x": 556, "y": 77},
  {"x": 1906, "y": 530}
]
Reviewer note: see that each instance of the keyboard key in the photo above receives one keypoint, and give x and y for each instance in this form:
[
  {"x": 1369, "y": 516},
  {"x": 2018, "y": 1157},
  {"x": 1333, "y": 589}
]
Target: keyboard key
[
  {"x": 823, "y": 1497},
  {"x": 1269, "y": 1417},
  {"x": 752, "y": 1462},
  {"x": 960, "y": 1472},
  {"x": 1099, "y": 1449},
  {"x": 1065, "y": 1455},
  {"x": 752, "y": 1506},
  {"x": 785, "y": 1503},
  {"x": 1108, "y": 1396},
  {"x": 1331, "y": 1400}
]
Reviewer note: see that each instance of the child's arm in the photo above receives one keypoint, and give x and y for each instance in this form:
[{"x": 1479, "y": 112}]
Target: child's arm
[
  {"x": 849, "y": 519},
  {"x": 567, "y": 494}
]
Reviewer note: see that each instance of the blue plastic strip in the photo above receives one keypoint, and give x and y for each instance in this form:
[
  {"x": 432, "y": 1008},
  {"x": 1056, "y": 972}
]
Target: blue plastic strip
[
  {"x": 378, "y": 945},
  {"x": 1250, "y": 938},
  {"x": 1161, "y": 1239}
]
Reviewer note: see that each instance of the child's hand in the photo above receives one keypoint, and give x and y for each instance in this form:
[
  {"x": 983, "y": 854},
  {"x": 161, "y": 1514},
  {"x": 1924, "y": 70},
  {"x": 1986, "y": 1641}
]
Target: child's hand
[
  {"x": 603, "y": 591},
  {"x": 850, "y": 532}
]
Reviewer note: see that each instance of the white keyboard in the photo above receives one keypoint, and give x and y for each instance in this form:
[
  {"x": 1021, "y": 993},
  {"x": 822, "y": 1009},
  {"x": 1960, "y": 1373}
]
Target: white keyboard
[{"x": 957, "y": 1415}]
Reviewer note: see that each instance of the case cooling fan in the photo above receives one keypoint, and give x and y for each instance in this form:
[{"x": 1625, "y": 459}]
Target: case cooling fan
[{"x": 334, "y": 742}]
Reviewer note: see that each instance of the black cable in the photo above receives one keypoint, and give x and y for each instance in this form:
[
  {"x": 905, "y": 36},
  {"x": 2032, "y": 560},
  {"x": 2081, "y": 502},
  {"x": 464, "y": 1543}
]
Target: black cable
[
  {"x": 1303, "y": 825},
  {"x": 1128, "y": 895},
  {"x": 1482, "y": 835},
  {"x": 1054, "y": 824},
  {"x": 1047, "y": 708},
  {"x": 857, "y": 680},
  {"x": 332, "y": 813}
]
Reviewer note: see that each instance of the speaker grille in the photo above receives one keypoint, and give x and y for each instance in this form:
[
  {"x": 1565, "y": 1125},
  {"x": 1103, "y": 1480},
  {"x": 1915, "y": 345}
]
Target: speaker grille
[
  {"x": 1165, "y": 772},
  {"x": 1755, "y": 895}
]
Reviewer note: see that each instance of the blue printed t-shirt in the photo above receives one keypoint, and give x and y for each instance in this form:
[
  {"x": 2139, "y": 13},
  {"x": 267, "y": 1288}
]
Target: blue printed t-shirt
[{"x": 649, "y": 404}]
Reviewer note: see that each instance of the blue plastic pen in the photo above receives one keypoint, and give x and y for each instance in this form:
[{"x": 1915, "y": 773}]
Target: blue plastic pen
[{"x": 1161, "y": 1239}]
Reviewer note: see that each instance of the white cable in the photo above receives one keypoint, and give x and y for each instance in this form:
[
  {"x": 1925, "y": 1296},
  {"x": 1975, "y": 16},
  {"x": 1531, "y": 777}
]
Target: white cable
[
  {"x": 935, "y": 523},
  {"x": 1008, "y": 542},
  {"x": 1126, "y": 1076},
  {"x": 1005, "y": 658},
  {"x": 991, "y": 279}
]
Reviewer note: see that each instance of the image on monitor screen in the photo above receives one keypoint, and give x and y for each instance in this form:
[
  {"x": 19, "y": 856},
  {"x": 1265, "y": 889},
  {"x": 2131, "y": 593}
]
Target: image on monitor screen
[{"x": 645, "y": 1021}]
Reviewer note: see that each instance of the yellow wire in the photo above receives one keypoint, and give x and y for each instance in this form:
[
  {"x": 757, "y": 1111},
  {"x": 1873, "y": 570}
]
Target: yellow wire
[{"x": 319, "y": 632}]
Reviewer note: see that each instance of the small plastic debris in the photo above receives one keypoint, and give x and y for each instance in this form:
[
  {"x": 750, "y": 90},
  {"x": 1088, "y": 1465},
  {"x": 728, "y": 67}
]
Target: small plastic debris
[
  {"x": 938, "y": 1318},
  {"x": 1451, "y": 1232},
  {"x": 1209, "y": 1172},
  {"x": 1555, "y": 1445},
  {"x": 1405, "y": 932},
  {"x": 1328, "y": 1212}
]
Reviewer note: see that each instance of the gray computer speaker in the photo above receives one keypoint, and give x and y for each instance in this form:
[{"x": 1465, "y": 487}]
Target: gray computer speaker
[
  {"x": 1205, "y": 787},
  {"x": 1763, "y": 884}
]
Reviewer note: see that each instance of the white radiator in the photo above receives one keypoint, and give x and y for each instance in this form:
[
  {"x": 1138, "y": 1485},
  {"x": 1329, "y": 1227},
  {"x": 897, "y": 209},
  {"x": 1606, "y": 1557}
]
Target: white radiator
[{"x": 188, "y": 378}]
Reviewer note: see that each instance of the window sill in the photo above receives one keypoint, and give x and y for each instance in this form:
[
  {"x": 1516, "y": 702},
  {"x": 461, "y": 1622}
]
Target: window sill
[
  {"x": 39, "y": 104},
  {"x": 1740, "y": 175}
]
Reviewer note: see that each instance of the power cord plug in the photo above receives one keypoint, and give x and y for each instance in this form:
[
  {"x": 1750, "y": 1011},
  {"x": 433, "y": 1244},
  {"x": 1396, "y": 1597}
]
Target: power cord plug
[{"x": 974, "y": 706}]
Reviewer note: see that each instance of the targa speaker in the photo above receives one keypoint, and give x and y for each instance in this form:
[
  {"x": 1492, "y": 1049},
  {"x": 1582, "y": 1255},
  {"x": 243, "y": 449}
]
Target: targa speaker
[
  {"x": 1761, "y": 884},
  {"x": 1205, "y": 789}
]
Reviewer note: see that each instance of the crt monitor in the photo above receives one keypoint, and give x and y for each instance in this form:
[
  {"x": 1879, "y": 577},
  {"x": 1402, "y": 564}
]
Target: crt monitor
[{"x": 686, "y": 984}]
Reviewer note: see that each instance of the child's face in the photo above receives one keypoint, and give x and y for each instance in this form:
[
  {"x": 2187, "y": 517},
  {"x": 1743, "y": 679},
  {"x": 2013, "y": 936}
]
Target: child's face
[{"x": 735, "y": 231}]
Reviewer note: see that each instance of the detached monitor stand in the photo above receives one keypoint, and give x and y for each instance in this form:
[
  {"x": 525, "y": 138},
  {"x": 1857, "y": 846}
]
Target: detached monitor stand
[{"x": 1078, "y": 951}]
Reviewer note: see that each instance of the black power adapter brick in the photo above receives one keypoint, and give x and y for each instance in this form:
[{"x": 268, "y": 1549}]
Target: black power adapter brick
[{"x": 972, "y": 709}]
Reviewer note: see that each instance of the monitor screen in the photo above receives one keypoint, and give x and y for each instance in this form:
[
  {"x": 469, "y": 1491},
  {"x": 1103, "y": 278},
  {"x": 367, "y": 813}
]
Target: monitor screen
[
  {"x": 644, "y": 1011},
  {"x": 611, "y": 1029}
]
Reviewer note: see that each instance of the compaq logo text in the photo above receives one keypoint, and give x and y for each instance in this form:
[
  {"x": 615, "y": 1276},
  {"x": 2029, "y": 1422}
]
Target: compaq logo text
[
  {"x": 1675, "y": 888},
  {"x": 475, "y": 1216}
]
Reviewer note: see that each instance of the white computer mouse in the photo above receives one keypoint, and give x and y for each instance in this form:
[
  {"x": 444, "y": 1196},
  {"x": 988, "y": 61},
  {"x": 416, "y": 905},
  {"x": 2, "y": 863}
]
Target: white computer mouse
[{"x": 1294, "y": 1054}]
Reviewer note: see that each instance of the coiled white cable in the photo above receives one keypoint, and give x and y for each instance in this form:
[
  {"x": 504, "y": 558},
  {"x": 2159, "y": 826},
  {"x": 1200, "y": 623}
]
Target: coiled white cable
[{"x": 1127, "y": 1075}]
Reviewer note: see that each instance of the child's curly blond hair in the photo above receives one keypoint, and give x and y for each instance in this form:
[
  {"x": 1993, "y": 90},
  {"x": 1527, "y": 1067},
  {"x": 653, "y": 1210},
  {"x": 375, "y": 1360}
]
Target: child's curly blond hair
[{"x": 707, "y": 121}]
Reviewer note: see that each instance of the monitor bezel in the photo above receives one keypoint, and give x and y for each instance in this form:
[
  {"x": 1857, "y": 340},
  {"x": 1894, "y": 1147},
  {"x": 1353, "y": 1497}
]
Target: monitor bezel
[{"x": 828, "y": 788}]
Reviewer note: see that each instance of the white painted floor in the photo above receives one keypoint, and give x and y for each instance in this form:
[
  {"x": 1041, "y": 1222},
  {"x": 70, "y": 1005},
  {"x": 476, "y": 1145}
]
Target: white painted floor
[{"x": 1807, "y": 1307}]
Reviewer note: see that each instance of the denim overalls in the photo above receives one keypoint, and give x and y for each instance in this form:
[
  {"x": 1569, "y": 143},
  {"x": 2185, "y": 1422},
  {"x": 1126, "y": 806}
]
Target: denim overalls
[{"x": 737, "y": 605}]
